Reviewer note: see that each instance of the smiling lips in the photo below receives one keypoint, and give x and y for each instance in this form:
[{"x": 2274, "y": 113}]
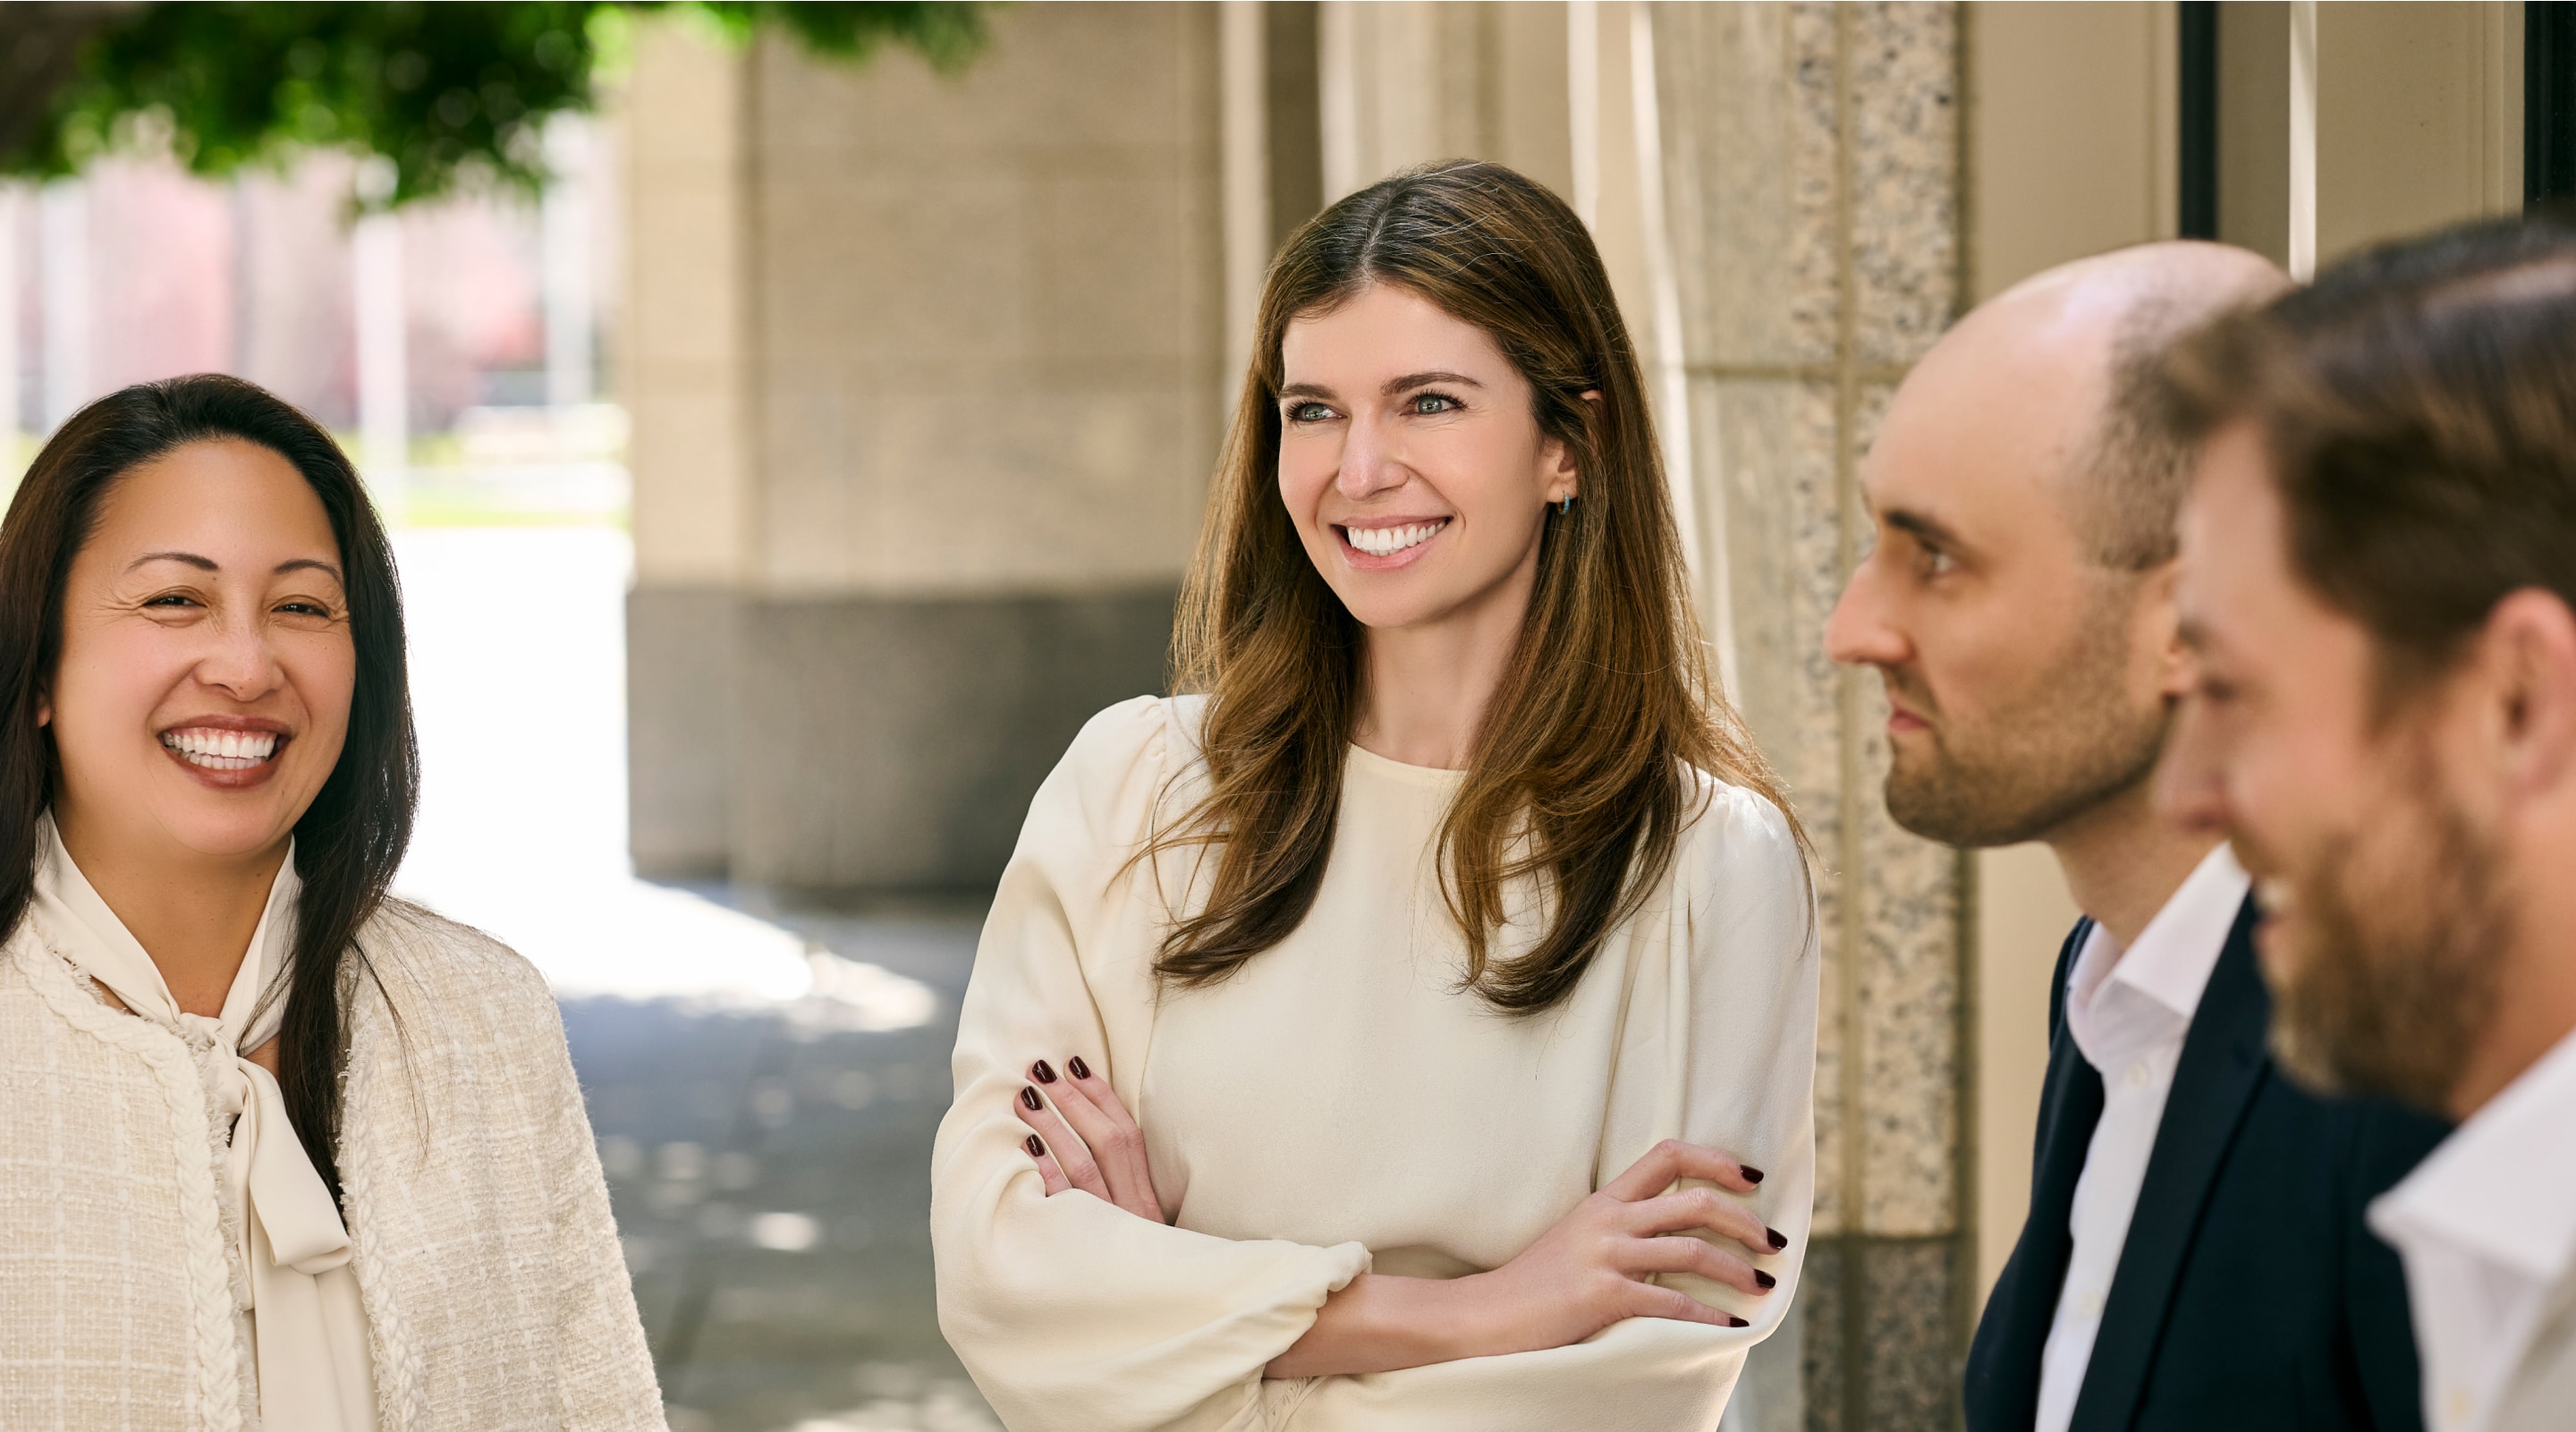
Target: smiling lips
[
  {"x": 208, "y": 748},
  {"x": 1387, "y": 541}
]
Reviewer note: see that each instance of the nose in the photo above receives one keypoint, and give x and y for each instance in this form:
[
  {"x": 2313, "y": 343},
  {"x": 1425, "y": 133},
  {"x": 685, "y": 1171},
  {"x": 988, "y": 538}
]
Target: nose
[
  {"x": 1371, "y": 461},
  {"x": 2191, "y": 785},
  {"x": 1859, "y": 632},
  {"x": 238, "y": 659}
]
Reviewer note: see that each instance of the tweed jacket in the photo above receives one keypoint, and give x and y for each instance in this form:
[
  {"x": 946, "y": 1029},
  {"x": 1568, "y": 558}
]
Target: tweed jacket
[{"x": 482, "y": 1243}]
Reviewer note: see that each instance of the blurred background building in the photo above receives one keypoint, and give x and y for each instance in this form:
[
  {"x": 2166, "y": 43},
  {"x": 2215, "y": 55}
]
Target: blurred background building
[{"x": 906, "y": 383}]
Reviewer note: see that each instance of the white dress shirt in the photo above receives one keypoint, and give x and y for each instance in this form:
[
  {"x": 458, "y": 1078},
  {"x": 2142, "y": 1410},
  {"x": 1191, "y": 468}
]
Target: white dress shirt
[
  {"x": 2128, "y": 1013},
  {"x": 2486, "y": 1227}
]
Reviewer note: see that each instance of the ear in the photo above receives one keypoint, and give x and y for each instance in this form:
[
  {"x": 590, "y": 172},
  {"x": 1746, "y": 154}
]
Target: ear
[
  {"x": 1560, "y": 477},
  {"x": 2159, "y": 623},
  {"x": 2526, "y": 657},
  {"x": 45, "y": 709}
]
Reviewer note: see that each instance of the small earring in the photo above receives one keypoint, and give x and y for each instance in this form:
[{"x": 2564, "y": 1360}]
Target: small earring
[{"x": 1564, "y": 506}]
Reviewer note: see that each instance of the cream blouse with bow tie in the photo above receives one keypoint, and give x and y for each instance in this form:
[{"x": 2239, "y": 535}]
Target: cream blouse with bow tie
[
  {"x": 308, "y": 1327},
  {"x": 170, "y": 1259}
]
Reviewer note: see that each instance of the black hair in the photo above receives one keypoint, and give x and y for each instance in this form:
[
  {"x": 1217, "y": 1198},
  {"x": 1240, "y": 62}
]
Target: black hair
[{"x": 349, "y": 842}]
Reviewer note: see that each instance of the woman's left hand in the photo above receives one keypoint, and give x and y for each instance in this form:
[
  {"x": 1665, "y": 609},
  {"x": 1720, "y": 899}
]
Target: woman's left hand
[{"x": 1086, "y": 1139}]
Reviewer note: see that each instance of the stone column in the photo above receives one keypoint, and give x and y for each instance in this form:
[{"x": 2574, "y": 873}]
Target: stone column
[
  {"x": 957, "y": 384},
  {"x": 1812, "y": 177}
]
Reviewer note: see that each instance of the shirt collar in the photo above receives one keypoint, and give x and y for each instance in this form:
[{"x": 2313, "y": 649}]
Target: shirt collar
[
  {"x": 2165, "y": 972},
  {"x": 81, "y": 927},
  {"x": 2503, "y": 1185}
]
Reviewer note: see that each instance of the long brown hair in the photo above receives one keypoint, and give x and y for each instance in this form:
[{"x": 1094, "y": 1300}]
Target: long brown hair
[
  {"x": 1579, "y": 775},
  {"x": 349, "y": 841}
]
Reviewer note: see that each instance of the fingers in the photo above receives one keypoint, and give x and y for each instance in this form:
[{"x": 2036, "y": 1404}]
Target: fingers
[
  {"x": 1080, "y": 1169},
  {"x": 1697, "y": 1208},
  {"x": 1671, "y": 1160},
  {"x": 1650, "y": 1301},
  {"x": 1048, "y": 1169},
  {"x": 1086, "y": 1102},
  {"x": 1681, "y": 1253}
]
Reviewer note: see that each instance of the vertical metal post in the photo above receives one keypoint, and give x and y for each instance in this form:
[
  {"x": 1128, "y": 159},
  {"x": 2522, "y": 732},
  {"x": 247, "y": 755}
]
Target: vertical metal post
[
  {"x": 65, "y": 222},
  {"x": 384, "y": 382},
  {"x": 2196, "y": 79},
  {"x": 571, "y": 298},
  {"x": 2548, "y": 101},
  {"x": 2303, "y": 139}
]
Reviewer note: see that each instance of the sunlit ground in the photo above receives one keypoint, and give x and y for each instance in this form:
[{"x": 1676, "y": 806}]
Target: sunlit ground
[{"x": 764, "y": 1084}]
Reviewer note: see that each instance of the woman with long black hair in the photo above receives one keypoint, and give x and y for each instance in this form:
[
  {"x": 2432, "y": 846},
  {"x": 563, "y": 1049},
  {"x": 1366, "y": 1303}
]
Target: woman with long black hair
[
  {"x": 276, "y": 1150},
  {"x": 1413, "y": 1026}
]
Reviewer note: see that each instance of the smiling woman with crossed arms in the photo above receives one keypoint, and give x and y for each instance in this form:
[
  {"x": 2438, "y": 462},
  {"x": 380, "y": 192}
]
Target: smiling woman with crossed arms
[{"x": 1414, "y": 1028}]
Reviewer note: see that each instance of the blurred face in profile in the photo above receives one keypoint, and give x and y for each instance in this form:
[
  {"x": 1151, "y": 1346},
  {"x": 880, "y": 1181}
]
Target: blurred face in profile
[
  {"x": 2026, "y": 681},
  {"x": 2382, "y": 912},
  {"x": 202, "y": 695},
  {"x": 1411, "y": 460}
]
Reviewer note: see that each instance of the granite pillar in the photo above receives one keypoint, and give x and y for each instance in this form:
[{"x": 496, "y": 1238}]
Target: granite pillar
[{"x": 1811, "y": 161}]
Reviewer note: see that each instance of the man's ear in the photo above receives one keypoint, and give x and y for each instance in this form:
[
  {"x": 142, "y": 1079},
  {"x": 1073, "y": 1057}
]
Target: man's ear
[
  {"x": 2159, "y": 623},
  {"x": 2526, "y": 658}
]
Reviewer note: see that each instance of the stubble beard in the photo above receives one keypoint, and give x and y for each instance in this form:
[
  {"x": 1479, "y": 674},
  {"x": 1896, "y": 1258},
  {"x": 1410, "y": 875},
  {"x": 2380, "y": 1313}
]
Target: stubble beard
[
  {"x": 2072, "y": 748},
  {"x": 2393, "y": 975}
]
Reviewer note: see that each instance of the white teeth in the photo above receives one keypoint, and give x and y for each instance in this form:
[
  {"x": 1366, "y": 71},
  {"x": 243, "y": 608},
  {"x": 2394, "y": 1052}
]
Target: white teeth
[
  {"x": 1380, "y": 541},
  {"x": 221, "y": 750}
]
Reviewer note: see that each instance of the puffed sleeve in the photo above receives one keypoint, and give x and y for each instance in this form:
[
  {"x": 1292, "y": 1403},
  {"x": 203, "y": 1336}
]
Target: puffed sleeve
[
  {"x": 1074, "y": 1315},
  {"x": 1719, "y": 1048}
]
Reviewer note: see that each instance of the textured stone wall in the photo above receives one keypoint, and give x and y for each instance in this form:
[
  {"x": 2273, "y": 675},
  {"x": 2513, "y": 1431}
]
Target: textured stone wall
[{"x": 1812, "y": 176}]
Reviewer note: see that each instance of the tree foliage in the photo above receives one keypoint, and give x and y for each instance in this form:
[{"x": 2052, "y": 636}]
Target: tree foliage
[{"x": 441, "y": 89}]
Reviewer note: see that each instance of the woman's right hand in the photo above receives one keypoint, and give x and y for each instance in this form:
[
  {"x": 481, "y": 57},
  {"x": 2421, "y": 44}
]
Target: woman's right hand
[{"x": 1592, "y": 1269}]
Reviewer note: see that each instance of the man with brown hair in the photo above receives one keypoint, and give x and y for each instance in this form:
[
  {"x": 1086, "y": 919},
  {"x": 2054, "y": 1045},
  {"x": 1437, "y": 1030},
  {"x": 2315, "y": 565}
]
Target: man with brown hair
[
  {"x": 2380, "y": 598},
  {"x": 2195, "y": 1255}
]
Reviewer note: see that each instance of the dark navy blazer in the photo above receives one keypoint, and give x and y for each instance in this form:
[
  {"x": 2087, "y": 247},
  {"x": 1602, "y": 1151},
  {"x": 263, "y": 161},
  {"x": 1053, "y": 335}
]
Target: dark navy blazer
[{"x": 2250, "y": 1292}]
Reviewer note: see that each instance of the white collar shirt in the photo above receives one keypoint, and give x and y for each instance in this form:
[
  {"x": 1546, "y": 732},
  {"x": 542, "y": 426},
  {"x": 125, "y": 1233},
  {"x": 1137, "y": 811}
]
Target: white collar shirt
[
  {"x": 2486, "y": 1227},
  {"x": 2128, "y": 1012}
]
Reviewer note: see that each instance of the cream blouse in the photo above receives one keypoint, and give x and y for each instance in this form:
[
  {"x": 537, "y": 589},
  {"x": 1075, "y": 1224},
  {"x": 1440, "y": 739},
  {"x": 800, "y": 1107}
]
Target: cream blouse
[
  {"x": 308, "y": 1327},
  {"x": 1340, "y": 1104}
]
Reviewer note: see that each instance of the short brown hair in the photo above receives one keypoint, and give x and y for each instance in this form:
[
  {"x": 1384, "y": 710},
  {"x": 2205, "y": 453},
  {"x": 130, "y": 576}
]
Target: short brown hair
[{"x": 2419, "y": 406}]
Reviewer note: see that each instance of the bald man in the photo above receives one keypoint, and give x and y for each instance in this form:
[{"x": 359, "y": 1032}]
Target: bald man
[{"x": 2195, "y": 1255}]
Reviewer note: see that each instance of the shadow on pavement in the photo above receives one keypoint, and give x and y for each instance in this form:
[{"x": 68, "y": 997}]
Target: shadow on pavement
[{"x": 771, "y": 1177}]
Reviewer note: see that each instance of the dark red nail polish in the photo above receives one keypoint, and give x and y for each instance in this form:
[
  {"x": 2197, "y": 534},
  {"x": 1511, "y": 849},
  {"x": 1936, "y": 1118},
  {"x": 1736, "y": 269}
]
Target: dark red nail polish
[
  {"x": 1733, "y": 1321},
  {"x": 1077, "y": 1068},
  {"x": 1779, "y": 1239},
  {"x": 1036, "y": 1149},
  {"x": 1764, "y": 1280},
  {"x": 1751, "y": 1174},
  {"x": 1030, "y": 1097},
  {"x": 1041, "y": 1072}
]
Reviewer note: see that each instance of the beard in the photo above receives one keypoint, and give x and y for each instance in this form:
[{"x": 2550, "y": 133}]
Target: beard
[
  {"x": 2389, "y": 974},
  {"x": 2073, "y": 745}
]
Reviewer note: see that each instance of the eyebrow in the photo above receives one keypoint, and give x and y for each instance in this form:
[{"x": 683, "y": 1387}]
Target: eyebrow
[
  {"x": 208, "y": 564},
  {"x": 1422, "y": 380},
  {"x": 1388, "y": 389},
  {"x": 1917, "y": 525}
]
